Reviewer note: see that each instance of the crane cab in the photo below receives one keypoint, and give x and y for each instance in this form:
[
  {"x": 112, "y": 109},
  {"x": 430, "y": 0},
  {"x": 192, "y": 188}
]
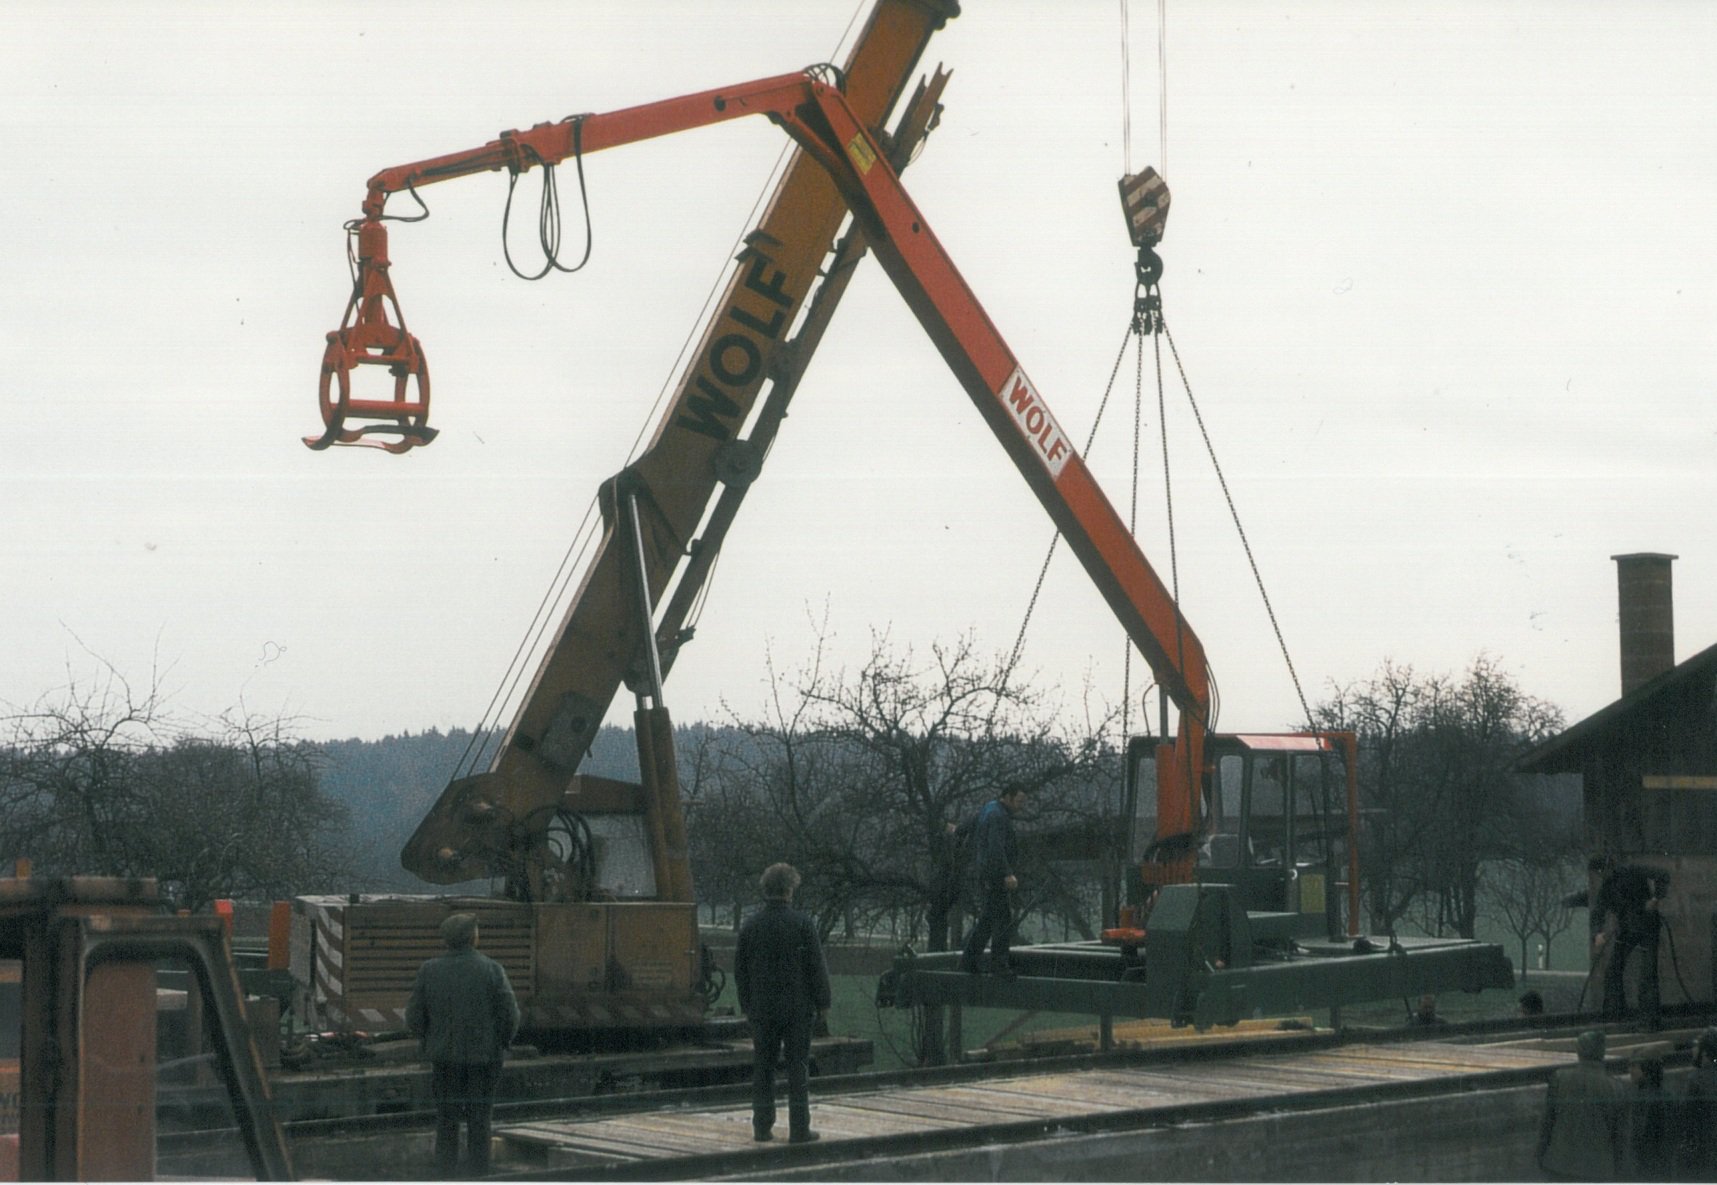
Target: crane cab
[
  {"x": 118, "y": 1024},
  {"x": 1274, "y": 820}
]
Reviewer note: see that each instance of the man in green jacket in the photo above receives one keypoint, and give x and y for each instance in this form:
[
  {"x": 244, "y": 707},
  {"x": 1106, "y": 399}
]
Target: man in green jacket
[
  {"x": 463, "y": 1010},
  {"x": 1582, "y": 1118}
]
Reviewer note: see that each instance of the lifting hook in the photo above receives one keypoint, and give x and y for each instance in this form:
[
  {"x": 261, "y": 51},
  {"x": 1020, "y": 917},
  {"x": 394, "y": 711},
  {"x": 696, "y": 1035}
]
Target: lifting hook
[
  {"x": 367, "y": 337},
  {"x": 1145, "y": 202}
]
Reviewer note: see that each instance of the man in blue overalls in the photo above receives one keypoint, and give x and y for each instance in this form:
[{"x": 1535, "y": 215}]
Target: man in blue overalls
[{"x": 997, "y": 854}]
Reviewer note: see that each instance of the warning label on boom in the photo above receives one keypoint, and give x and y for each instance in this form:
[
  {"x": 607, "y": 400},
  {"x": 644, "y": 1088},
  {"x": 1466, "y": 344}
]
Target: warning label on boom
[{"x": 1026, "y": 406}]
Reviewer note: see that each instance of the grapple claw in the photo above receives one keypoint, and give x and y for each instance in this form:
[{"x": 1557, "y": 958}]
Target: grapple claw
[{"x": 368, "y": 338}]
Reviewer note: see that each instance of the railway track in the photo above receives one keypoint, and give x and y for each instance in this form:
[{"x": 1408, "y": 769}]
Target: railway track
[{"x": 1459, "y": 1102}]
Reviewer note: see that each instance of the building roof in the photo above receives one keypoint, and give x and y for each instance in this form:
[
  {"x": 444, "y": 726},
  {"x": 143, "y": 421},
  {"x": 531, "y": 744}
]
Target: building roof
[{"x": 1565, "y": 752}]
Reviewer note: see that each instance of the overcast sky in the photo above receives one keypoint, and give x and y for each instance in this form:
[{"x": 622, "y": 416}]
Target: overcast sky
[{"x": 1441, "y": 276}]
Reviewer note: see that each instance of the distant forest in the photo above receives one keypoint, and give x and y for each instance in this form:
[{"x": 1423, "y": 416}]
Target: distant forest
[
  {"x": 857, "y": 781},
  {"x": 390, "y": 784}
]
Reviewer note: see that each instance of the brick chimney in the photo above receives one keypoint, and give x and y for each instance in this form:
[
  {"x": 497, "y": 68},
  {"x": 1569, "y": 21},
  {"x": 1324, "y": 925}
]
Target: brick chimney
[{"x": 1645, "y": 596}]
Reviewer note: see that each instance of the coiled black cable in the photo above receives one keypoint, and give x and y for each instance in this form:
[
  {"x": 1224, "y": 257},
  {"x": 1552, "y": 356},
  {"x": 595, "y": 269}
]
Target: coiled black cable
[{"x": 548, "y": 210}]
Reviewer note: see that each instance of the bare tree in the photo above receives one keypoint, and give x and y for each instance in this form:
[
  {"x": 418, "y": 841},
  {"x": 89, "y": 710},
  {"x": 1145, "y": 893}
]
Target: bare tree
[
  {"x": 1530, "y": 886},
  {"x": 1531, "y": 898},
  {"x": 1437, "y": 784},
  {"x": 100, "y": 779},
  {"x": 734, "y": 822},
  {"x": 1476, "y": 728},
  {"x": 1384, "y": 712},
  {"x": 857, "y": 777}
]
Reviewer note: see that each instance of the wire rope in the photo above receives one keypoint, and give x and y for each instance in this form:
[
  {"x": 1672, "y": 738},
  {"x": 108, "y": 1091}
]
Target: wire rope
[
  {"x": 1239, "y": 527},
  {"x": 709, "y": 300},
  {"x": 1150, "y": 320},
  {"x": 1133, "y": 519},
  {"x": 1163, "y": 88},
  {"x": 529, "y": 643},
  {"x": 1049, "y": 554},
  {"x": 852, "y": 23},
  {"x": 1126, "y": 93}
]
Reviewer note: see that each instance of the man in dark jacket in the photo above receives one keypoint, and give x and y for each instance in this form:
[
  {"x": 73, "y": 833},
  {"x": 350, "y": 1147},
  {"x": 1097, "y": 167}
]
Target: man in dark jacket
[
  {"x": 1624, "y": 916},
  {"x": 1580, "y": 1136},
  {"x": 783, "y": 982},
  {"x": 1650, "y": 1124},
  {"x": 463, "y": 1010},
  {"x": 996, "y": 852},
  {"x": 1697, "y": 1117}
]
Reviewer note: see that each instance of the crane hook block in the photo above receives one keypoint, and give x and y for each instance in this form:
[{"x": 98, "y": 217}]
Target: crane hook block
[
  {"x": 1145, "y": 201},
  {"x": 367, "y": 337}
]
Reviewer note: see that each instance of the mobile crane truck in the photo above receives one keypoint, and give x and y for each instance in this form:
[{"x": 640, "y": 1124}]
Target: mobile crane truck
[
  {"x": 597, "y": 923},
  {"x": 1242, "y": 841}
]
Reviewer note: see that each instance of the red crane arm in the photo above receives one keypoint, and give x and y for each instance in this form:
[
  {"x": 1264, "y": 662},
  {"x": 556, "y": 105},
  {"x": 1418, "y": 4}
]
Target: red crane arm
[{"x": 551, "y": 143}]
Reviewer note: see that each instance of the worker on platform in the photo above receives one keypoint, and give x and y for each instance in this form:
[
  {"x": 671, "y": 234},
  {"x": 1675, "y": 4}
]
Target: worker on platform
[
  {"x": 463, "y": 1010},
  {"x": 1625, "y": 918},
  {"x": 996, "y": 850},
  {"x": 1580, "y": 1137},
  {"x": 783, "y": 983}
]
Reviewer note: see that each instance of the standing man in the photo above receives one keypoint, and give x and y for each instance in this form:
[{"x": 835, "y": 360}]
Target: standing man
[
  {"x": 1425, "y": 1016},
  {"x": 1625, "y": 918},
  {"x": 783, "y": 982},
  {"x": 997, "y": 853},
  {"x": 463, "y": 1010},
  {"x": 1698, "y": 1112},
  {"x": 1649, "y": 1117},
  {"x": 1580, "y": 1136}
]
